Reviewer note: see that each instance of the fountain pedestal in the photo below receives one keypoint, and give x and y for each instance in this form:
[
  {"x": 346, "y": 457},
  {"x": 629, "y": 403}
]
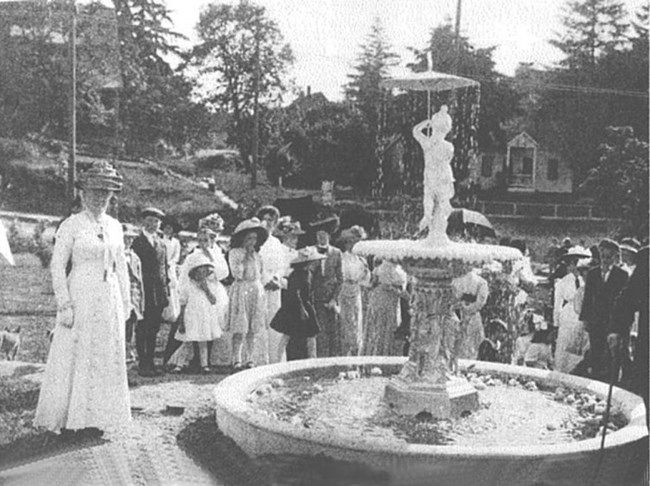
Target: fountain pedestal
[{"x": 427, "y": 383}]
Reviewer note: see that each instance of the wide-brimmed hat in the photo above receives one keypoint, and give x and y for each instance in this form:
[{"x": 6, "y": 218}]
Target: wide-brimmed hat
[
  {"x": 197, "y": 259},
  {"x": 254, "y": 225},
  {"x": 268, "y": 209},
  {"x": 496, "y": 325},
  {"x": 212, "y": 221},
  {"x": 306, "y": 255},
  {"x": 151, "y": 211},
  {"x": 101, "y": 175},
  {"x": 130, "y": 230},
  {"x": 630, "y": 244},
  {"x": 575, "y": 252},
  {"x": 171, "y": 221}
]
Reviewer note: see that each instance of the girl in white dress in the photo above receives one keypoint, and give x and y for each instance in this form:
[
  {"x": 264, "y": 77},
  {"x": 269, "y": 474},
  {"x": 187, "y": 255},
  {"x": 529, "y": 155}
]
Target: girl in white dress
[
  {"x": 247, "y": 314},
  {"x": 571, "y": 336},
  {"x": 205, "y": 304},
  {"x": 85, "y": 381},
  {"x": 173, "y": 249}
]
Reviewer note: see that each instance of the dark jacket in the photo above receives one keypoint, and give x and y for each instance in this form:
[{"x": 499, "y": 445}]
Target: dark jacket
[
  {"x": 327, "y": 285},
  {"x": 633, "y": 298},
  {"x": 600, "y": 296},
  {"x": 154, "y": 271}
]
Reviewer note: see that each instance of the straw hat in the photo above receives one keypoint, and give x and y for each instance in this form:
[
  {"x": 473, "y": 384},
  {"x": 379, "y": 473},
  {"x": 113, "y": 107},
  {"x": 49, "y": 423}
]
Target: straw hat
[
  {"x": 252, "y": 224},
  {"x": 101, "y": 175},
  {"x": 306, "y": 255},
  {"x": 151, "y": 211},
  {"x": 288, "y": 227},
  {"x": 630, "y": 244}
]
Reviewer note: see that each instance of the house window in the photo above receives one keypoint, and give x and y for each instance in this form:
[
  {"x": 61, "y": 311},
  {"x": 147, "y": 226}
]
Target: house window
[
  {"x": 527, "y": 166},
  {"x": 486, "y": 165},
  {"x": 552, "y": 170}
]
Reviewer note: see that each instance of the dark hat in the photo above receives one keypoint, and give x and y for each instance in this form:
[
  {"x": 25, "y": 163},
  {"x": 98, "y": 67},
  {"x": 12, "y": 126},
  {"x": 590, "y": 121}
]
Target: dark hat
[
  {"x": 168, "y": 220},
  {"x": 101, "y": 175},
  {"x": 609, "y": 244},
  {"x": 244, "y": 227},
  {"x": 130, "y": 230},
  {"x": 496, "y": 325},
  {"x": 155, "y": 212},
  {"x": 329, "y": 225}
]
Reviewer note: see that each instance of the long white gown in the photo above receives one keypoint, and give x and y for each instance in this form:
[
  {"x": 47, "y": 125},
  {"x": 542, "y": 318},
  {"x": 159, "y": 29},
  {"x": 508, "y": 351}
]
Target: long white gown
[
  {"x": 85, "y": 382},
  {"x": 571, "y": 336}
]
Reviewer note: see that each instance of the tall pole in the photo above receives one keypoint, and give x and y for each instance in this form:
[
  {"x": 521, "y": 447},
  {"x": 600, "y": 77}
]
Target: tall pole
[
  {"x": 72, "y": 161},
  {"x": 256, "y": 112},
  {"x": 457, "y": 38}
]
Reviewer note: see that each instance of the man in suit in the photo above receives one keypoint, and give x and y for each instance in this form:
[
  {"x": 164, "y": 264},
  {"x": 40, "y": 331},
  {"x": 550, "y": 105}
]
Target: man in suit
[
  {"x": 151, "y": 251},
  {"x": 603, "y": 285},
  {"x": 326, "y": 285}
]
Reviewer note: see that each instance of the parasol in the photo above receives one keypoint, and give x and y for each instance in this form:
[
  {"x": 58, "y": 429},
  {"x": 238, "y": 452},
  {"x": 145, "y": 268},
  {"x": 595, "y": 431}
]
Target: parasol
[
  {"x": 428, "y": 81},
  {"x": 461, "y": 217}
]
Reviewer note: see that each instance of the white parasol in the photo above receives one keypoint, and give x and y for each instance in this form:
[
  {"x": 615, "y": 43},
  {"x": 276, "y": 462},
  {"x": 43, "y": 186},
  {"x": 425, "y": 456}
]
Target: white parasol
[{"x": 428, "y": 81}]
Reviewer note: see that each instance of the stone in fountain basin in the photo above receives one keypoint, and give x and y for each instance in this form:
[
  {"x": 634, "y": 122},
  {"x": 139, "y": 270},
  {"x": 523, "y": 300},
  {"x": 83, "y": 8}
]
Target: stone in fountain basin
[{"x": 560, "y": 464}]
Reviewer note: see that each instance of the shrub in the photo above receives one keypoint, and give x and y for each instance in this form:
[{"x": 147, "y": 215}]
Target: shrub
[{"x": 17, "y": 394}]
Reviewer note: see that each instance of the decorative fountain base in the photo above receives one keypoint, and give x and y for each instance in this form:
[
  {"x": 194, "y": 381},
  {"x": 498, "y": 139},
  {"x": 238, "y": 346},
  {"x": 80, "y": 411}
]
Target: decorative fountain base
[{"x": 452, "y": 399}]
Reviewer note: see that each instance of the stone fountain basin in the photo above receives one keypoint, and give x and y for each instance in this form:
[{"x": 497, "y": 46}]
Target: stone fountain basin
[{"x": 562, "y": 464}]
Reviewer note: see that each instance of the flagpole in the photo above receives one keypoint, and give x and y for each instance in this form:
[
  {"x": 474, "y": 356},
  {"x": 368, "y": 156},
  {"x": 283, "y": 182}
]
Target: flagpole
[{"x": 72, "y": 161}]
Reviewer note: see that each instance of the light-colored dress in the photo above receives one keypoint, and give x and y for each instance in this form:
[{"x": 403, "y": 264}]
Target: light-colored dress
[
  {"x": 356, "y": 275},
  {"x": 204, "y": 321},
  {"x": 173, "y": 248},
  {"x": 383, "y": 315},
  {"x": 85, "y": 382},
  {"x": 247, "y": 299},
  {"x": 471, "y": 324},
  {"x": 571, "y": 336},
  {"x": 276, "y": 267}
]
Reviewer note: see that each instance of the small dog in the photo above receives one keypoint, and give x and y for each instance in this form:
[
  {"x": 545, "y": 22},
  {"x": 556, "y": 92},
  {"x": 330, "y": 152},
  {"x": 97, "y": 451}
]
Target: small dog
[{"x": 10, "y": 343}]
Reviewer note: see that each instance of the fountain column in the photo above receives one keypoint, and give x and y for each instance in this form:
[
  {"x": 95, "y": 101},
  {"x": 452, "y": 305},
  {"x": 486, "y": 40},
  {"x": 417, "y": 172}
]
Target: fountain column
[{"x": 428, "y": 382}]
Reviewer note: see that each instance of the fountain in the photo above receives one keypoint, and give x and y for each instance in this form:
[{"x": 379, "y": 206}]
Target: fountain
[{"x": 429, "y": 382}]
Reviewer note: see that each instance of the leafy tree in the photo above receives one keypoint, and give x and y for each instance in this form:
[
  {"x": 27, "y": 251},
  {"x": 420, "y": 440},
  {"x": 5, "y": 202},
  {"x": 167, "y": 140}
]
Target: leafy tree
[
  {"x": 237, "y": 42},
  {"x": 372, "y": 66},
  {"x": 620, "y": 180},
  {"x": 154, "y": 96},
  {"x": 316, "y": 140}
]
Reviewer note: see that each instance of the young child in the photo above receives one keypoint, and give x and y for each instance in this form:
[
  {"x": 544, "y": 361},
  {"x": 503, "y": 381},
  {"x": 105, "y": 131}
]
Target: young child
[
  {"x": 204, "y": 305},
  {"x": 539, "y": 354},
  {"x": 526, "y": 331},
  {"x": 488, "y": 350},
  {"x": 296, "y": 319}
]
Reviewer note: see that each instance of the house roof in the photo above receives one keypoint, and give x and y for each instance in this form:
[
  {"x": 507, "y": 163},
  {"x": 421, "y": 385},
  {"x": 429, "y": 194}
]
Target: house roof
[{"x": 523, "y": 140}]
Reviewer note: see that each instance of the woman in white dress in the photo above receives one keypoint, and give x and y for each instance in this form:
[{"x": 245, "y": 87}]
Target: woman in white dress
[
  {"x": 172, "y": 244},
  {"x": 85, "y": 381},
  {"x": 571, "y": 336},
  {"x": 356, "y": 276},
  {"x": 472, "y": 291}
]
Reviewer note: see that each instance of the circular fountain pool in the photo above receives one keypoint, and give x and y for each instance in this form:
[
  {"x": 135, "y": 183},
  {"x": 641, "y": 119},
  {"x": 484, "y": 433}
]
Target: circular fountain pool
[{"x": 518, "y": 436}]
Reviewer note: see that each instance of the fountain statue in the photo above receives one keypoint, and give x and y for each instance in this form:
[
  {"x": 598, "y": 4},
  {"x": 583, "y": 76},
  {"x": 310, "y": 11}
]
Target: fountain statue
[{"x": 438, "y": 176}]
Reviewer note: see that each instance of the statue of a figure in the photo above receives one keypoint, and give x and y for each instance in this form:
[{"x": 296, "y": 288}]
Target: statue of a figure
[{"x": 438, "y": 176}]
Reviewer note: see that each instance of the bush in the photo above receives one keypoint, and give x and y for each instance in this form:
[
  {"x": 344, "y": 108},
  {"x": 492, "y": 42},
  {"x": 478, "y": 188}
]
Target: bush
[{"x": 17, "y": 394}]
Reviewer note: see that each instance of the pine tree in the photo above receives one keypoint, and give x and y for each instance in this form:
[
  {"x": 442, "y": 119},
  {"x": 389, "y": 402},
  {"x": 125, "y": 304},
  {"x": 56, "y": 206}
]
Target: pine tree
[
  {"x": 372, "y": 66},
  {"x": 592, "y": 28}
]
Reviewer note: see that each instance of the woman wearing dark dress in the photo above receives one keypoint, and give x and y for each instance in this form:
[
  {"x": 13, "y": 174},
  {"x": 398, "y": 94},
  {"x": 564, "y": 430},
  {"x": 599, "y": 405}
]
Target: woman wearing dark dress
[{"x": 296, "y": 319}]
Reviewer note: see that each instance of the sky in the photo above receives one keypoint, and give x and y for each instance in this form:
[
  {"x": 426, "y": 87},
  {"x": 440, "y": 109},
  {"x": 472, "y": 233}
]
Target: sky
[{"x": 326, "y": 35}]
